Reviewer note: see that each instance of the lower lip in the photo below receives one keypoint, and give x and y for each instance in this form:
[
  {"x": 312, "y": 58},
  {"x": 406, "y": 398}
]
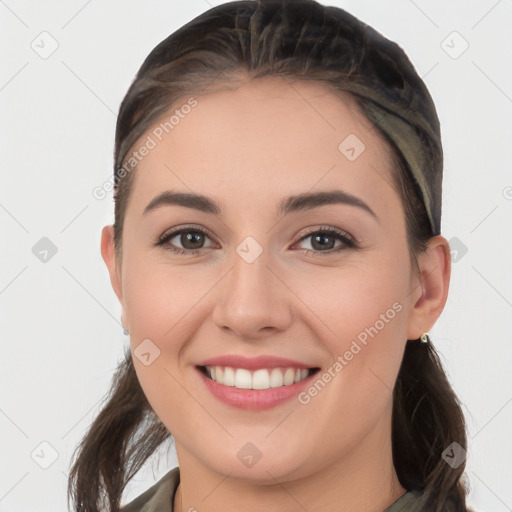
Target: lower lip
[{"x": 254, "y": 399}]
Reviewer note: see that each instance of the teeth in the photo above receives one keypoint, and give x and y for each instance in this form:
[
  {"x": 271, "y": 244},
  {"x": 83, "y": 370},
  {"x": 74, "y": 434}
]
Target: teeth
[
  {"x": 243, "y": 378},
  {"x": 259, "y": 379},
  {"x": 289, "y": 376},
  {"x": 276, "y": 378},
  {"x": 229, "y": 377},
  {"x": 301, "y": 374}
]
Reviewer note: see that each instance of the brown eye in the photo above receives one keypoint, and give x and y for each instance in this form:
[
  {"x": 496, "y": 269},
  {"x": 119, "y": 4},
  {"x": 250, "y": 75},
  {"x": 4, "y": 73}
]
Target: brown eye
[
  {"x": 191, "y": 239},
  {"x": 184, "y": 240},
  {"x": 323, "y": 241}
]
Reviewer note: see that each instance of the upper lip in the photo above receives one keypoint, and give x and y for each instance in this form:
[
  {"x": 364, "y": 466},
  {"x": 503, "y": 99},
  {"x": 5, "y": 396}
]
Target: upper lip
[{"x": 253, "y": 363}]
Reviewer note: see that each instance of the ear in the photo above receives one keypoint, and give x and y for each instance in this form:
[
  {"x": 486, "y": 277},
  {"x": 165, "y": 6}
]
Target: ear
[
  {"x": 429, "y": 287},
  {"x": 113, "y": 265}
]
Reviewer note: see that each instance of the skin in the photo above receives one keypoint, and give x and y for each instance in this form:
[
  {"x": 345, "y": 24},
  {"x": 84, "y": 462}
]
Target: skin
[{"x": 248, "y": 149}]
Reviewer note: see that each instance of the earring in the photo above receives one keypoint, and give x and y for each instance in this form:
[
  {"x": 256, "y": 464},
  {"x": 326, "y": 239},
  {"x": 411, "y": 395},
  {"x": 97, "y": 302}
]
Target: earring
[
  {"x": 125, "y": 332},
  {"x": 425, "y": 338}
]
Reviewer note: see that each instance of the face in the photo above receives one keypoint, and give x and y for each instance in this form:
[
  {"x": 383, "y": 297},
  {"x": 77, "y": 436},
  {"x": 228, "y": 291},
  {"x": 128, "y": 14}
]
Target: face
[{"x": 311, "y": 299}]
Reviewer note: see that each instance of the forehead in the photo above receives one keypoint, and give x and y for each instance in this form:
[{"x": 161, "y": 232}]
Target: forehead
[{"x": 266, "y": 138}]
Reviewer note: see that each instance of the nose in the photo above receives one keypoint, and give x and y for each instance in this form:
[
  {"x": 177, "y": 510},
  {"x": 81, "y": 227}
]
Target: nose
[{"x": 253, "y": 300}]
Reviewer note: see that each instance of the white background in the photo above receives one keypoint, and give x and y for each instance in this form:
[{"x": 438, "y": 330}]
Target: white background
[{"x": 61, "y": 337}]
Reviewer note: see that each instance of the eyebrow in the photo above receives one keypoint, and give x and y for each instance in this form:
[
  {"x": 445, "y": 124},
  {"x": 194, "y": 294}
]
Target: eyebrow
[{"x": 301, "y": 202}]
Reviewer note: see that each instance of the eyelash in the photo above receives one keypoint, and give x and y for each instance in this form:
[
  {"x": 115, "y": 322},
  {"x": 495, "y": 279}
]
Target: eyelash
[{"x": 348, "y": 241}]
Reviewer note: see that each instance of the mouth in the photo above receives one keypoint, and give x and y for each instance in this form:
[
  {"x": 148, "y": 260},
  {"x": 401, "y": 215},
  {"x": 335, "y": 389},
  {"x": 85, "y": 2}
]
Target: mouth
[{"x": 259, "y": 379}]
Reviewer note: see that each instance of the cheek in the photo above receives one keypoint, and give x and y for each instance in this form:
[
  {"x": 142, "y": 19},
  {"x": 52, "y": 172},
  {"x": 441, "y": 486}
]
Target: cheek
[
  {"x": 160, "y": 298},
  {"x": 352, "y": 301},
  {"x": 160, "y": 302},
  {"x": 363, "y": 325}
]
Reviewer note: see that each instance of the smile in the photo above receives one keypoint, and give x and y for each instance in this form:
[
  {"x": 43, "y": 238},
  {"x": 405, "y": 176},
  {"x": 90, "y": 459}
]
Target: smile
[{"x": 264, "y": 378}]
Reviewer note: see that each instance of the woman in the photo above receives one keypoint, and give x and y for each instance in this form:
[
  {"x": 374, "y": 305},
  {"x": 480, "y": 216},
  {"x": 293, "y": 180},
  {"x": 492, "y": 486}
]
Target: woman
[{"x": 277, "y": 255}]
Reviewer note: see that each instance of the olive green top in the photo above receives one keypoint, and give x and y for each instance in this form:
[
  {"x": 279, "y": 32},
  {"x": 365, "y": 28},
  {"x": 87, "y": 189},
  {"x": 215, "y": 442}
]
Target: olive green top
[{"x": 160, "y": 497}]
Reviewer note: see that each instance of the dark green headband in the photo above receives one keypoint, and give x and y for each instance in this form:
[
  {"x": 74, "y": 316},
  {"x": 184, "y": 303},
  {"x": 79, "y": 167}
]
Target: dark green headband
[
  {"x": 397, "y": 101},
  {"x": 425, "y": 168}
]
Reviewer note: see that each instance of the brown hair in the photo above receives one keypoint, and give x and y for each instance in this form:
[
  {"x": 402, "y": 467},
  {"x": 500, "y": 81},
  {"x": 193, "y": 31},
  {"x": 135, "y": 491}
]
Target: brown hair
[{"x": 303, "y": 40}]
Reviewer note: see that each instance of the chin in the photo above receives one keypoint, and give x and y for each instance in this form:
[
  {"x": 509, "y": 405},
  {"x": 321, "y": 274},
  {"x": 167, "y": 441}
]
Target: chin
[{"x": 258, "y": 467}]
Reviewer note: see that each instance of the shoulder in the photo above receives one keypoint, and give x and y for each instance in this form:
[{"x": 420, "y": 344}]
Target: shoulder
[
  {"x": 159, "y": 497},
  {"x": 405, "y": 502},
  {"x": 411, "y": 500}
]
